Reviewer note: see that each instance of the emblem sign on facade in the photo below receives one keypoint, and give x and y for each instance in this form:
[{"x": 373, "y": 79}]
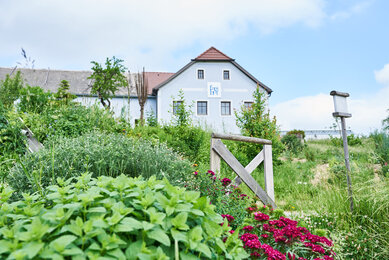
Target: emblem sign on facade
[{"x": 214, "y": 89}]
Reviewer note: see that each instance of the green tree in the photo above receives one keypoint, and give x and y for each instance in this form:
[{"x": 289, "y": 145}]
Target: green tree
[
  {"x": 255, "y": 121},
  {"x": 10, "y": 89},
  {"x": 107, "y": 80},
  {"x": 63, "y": 93}
]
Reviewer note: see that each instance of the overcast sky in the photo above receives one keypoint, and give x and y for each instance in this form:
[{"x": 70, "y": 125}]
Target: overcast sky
[{"x": 302, "y": 49}]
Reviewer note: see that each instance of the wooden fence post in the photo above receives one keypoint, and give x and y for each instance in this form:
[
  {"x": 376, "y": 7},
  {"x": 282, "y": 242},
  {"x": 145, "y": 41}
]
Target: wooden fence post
[
  {"x": 268, "y": 167},
  {"x": 215, "y": 158}
]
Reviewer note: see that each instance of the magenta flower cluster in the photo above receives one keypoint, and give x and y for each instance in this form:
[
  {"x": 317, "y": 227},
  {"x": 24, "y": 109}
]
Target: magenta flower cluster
[{"x": 263, "y": 239}]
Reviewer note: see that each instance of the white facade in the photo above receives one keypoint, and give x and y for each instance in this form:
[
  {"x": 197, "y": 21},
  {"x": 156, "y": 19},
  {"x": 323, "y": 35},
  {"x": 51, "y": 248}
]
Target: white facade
[{"x": 236, "y": 90}]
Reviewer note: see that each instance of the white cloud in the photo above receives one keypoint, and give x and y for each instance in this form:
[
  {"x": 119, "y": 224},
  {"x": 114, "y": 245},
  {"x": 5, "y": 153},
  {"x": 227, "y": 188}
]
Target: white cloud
[
  {"x": 355, "y": 9},
  {"x": 315, "y": 112},
  {"x": 382, "y": 76},
  {"x": 71, "y": 33}
]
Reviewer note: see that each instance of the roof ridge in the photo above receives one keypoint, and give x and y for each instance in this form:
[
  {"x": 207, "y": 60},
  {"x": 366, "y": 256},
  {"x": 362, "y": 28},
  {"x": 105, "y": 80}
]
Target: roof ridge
[{"x": 208, "y": 52}]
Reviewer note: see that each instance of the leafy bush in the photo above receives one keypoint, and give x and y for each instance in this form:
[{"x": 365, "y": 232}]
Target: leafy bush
[
  {"x": 381, "y": 142},
  {"x": 114, "y": 218},
  {"x": 34, "y": 99},
  {"x": 255, "y": 121},
  {"x": 10, "y": 89},
  {"x": 190, "y": 141},
  {"x": 11, "y": 139},
  {"x": 99, "y": 154},
  {"x": 228, "y": 200},
  {"x": 351, "y": 140},
  {"x": 71, "y": 121},
  {"x": 292, "y": 143},
  {"x": 298, "y": 133}
]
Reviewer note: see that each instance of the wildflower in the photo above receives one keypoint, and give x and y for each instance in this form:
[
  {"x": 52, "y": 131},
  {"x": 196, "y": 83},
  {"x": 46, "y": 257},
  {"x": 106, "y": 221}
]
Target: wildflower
[
  {"x": 248, "y": 228},
  {"x": 228, "y": 217},
  {"x": 211, "y": 172},
  {"x": 196, "y": 173},
  {"x": 225, "y": 182},
  {"x": 260, "y": 216}
]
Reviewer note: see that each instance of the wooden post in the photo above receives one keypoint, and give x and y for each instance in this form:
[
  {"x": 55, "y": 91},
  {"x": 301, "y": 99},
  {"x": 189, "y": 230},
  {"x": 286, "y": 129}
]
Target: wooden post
[
  {"x": 347, "y": 161},
  {"x": 268, "y": 167},
  {"x": 215, "y": 158}
]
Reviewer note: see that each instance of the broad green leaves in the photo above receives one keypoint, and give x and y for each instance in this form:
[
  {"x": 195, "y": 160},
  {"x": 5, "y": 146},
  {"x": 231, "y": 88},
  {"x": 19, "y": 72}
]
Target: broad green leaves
[{"x": 122, "y": 218}]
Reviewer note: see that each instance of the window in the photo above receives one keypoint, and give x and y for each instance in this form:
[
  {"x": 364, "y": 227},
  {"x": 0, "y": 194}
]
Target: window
[
  {"x": 202, "y": 107},
  {"x": 200, "y": 74},
  {"x": 176, "y": 106},
  {"x": 226, "y": 74},
  {"x": 248, "y": 104},
  {"x": 226, "y": 108}
]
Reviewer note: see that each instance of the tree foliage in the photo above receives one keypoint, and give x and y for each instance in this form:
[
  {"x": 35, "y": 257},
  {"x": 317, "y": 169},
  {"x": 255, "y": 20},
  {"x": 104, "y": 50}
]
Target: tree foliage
[
  {"x": 63, "y": 93},
  {"x": 10, "y": 89},
  {"x": 255, "y": 121},
  {"x": 108, "y": 79}
]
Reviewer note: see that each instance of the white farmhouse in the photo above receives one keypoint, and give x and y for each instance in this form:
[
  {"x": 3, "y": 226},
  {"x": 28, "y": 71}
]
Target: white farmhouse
[{"x": 214, "y": 85}]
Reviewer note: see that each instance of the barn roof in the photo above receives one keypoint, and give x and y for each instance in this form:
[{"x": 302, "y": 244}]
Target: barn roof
[{"x": 78, "y": 80}]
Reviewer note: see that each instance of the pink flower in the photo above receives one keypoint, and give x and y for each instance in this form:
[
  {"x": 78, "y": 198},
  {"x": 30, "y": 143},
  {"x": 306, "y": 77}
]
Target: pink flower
[
  {"x": 248, "y": 228},
  {"x": 260, "y": 216}
]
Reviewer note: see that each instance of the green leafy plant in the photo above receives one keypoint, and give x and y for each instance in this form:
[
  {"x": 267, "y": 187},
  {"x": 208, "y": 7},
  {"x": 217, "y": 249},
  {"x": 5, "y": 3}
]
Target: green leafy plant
[
  {"x": 34, "y": 99},
  {"x": 228, "y": 200},
  {"x": 255, "y": 121},
  {"x": 97, "y": 153},
  {"x": 108, "y": 79},
  {"x": 182, "y": 113},
  {"x": 292, "y": 143},
  {"x": 114, "y": 218},
  {"x": 12, "y": 141},
  {"x": 63, "y": 95},
  {"x": 10, "y": 89}
]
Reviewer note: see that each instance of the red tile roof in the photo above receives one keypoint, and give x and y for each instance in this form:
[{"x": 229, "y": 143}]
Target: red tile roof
[
  {"x": 156, "y": 78},
  {"x": 213, "y": 54}
]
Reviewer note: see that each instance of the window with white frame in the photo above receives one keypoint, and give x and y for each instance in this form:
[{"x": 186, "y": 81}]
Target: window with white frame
[
  {"x": 202, "y": 108},
  {"x": 226, "y": 74},
  {"x": 176, "y": 106},
  {"x": 225, "y": 108},
  {"x": 200, "y": 74},
  {"x": 248, "y": 104}
]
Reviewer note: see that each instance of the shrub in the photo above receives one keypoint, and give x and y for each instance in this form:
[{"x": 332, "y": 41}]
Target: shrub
[
  {"x": 10, "y": 89},
  {"x": 381, "y": 142},
  {"x": 114, "y": 218},
  {"x": 292, "y": 143},
  {"x": 34, "y": 99},
  {"x": 255, "y": 121},
  {"x": 71, "y": 121},
  {"x": 11, "y": 139},
  {"x": 351, "y": 140},
  {"x": 99, "y": 154},
  {"x": 228, "y": 200},
  {"x": 192, "y": 142}
]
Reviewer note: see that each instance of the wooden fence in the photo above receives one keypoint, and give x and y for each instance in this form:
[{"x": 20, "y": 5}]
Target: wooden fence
[{"x": 220, "y": 151}]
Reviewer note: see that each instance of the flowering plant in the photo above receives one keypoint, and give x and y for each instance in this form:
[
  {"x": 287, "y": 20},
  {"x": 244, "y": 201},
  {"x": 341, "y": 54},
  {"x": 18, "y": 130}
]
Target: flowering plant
[
  {"x": 228, "y": 199},
  {"x": 266, "y": 237}
]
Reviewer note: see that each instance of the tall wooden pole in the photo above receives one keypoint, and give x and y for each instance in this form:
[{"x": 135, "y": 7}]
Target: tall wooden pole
[{"x": 347, "y": 161}]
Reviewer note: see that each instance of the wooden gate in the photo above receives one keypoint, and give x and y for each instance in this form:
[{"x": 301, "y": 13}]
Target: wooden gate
[{"x": 219, "y": 150}]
